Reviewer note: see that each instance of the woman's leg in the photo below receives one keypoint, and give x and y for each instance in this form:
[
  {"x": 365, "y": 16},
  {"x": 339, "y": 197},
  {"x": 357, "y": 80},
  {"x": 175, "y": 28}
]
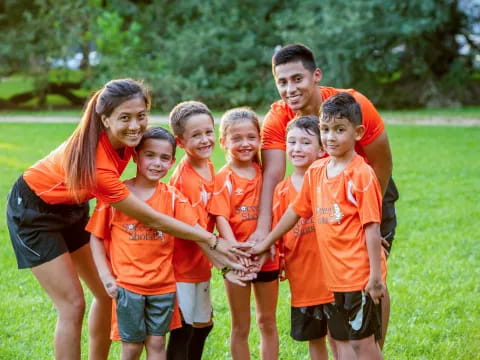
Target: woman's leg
[
  {"x": 59, "y": 279},
  {"x": 266, "y": 296},
  {"x": 239, "y": 301},
  {"x": 99, "y": 319}
]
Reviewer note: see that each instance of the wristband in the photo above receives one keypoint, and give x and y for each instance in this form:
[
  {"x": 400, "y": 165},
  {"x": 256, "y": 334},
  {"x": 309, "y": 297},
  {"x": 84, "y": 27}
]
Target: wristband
[
  {"x": 214, "y": 246},
  {"x": 225, "y": 270}
]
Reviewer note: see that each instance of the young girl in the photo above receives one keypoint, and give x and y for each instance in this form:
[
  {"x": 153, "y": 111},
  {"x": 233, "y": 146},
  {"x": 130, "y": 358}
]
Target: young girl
[
  {"x": 235, "y": 205},
  {"x": 47, "y": 211}
]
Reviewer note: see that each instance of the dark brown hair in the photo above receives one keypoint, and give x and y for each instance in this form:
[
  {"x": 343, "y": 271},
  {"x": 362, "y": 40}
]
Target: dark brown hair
[
  {"x": 294, "y": 53},
  {"x": 80, "y": 148},
  {"x": 341, "y": 105}
]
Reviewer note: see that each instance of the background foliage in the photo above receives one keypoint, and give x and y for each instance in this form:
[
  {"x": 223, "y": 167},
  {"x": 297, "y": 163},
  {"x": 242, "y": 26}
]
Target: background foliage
[{"x": 399, "y": 53}]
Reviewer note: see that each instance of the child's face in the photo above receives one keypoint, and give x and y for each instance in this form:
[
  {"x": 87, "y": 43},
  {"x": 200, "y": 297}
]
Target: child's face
[
  {"x": 339, "y": 136},
  {"x": 242, "y": 141},
  {"x": 154, "y": 159},
  {"x": 198, "y": 139},
  {"x": 126, "y": 124},
  {"x": 303, "y": 148},
  {"x": 296, "y": 84}
]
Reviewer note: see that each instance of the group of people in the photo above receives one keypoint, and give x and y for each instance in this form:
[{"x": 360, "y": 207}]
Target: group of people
[{"x": 150, "y": 246}]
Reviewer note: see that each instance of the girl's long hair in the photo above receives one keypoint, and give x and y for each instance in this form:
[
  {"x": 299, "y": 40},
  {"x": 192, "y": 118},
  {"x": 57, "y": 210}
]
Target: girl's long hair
[
  {"x": 239, "y": 114},
  {"x": 81, "y": 147}
]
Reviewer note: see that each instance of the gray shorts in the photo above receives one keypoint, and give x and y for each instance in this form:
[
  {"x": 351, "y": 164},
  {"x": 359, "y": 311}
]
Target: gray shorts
[{"x": 139, "y": 316}]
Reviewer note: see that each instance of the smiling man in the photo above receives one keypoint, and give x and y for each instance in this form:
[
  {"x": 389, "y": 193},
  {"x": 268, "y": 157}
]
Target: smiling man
[{"x": 296, "y": 77}]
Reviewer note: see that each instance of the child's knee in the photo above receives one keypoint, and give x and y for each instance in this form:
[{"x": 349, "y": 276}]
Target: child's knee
[{"x": 131, "y": 350}]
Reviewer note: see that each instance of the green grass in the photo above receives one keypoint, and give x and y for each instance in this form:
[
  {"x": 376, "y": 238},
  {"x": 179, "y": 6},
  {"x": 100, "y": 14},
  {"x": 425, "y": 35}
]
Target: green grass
[{"x": 434, "y": 269}]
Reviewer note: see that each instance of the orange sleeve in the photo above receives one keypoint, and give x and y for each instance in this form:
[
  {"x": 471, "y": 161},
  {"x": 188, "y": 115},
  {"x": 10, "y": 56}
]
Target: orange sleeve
[
  {"x": 109, "y": 188},
  {"x": 99, "y": 223},
  {"x": 371, "y": 119},
  {"x": 183, "y": 210},
  {"x": 220, "y": 201},
  {"x": 274, "y": 126},
  {"x": 302, "y": 205},
  {"x": 368, "y": 195}
]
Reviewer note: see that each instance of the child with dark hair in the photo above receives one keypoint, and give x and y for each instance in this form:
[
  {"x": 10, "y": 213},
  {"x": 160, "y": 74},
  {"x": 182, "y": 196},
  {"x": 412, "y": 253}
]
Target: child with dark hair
[{"x": 343, "y": 195}]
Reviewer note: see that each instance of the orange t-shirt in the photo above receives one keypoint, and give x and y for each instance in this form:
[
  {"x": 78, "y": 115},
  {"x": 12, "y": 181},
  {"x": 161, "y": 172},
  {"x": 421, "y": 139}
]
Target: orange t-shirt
[
  {"x": 189, "y": 262},
  {"x": 341, "y": 207},
  {"x": 274, "y": 128},
  {"x": 299, "y": 250},
  {"x": 141, "y": 257},
  {"x": 236, "y": 199},
  {"x": 47, "y": 177}
]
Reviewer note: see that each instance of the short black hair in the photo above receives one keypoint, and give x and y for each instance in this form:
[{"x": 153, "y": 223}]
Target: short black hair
[
  {"x": 308, "y": 123},
  {"x": 294, "y": 53},
  {"x": 341, "y": 105},
  {"x": 158, "y": 133}
]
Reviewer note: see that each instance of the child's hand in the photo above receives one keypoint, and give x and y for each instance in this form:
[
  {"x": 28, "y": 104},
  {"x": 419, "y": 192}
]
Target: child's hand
[
  {"x": 259, "y": 261},
  {"x": 110, "y": 285},
  {"x": 257, "y": 249},
  {"x": 239, "y": 277},
  {"x": 376, "y": 289}
]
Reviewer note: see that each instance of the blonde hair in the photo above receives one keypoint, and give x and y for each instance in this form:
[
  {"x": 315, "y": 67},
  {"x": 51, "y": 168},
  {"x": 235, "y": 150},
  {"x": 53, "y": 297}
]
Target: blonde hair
[{"x": 236, "y": 115}]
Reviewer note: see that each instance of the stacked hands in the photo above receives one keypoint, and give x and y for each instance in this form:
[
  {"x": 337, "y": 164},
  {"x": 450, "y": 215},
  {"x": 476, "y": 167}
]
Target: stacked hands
[{"x": 243, "y": 260}]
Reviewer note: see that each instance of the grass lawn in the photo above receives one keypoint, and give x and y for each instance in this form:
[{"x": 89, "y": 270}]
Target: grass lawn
[{"x": 434, "y": 269}]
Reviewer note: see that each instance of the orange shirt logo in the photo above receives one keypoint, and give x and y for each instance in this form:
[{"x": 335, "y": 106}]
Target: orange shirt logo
[{"x": 142, "y": 232}]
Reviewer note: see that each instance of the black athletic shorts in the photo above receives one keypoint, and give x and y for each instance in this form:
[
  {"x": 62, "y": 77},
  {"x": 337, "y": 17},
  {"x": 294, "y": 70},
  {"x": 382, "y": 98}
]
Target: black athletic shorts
[
  {"x": 308, "y": 323},
  {"x": 41, "y": 232},
  {"x": 389, "y": 217},
  {"x": 266, "y": 276},
  {"x": 353, "y": 316}
]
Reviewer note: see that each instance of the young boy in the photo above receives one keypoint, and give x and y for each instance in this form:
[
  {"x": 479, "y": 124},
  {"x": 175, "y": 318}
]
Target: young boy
[
  {"x": 193, "y": 127},
  {"x": 140, "y": 276},
  {"x": 343, "y": 196},
  {"x": 298, "y": 248}
]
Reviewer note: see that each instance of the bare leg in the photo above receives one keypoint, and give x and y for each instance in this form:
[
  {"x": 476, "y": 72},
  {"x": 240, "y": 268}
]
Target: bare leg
[
  {"x": 266, "y": 296},
  {"x": 318, "y": 349},
  {"x": 99, "y": 319},
  {"x": 367, "y": 349},
  {"x": 385, "y": 317},
  {"x": 239, "y": 301},
  {"x": 155, "y": 346},
  {"x": 59, "y": 279},
  {"x": 131, "y": 351},
  {"x": 333, "y": 346}
]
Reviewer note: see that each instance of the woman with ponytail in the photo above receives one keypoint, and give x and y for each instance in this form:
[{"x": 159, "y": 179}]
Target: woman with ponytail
[{"x": 47, "y": 212}]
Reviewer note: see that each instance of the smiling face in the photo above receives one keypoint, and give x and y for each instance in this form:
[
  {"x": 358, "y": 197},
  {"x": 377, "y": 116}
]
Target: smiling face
[
  {"x": 126, "y": 124},
  {"x": 303, "y": 148},
  {"x": 297, "y": 86},
  {"x": 198, "y": 139},
  {"x": 339, "y": 136},
  {"x": 242, "y": 141},
  {"x": 154, "y": 159}
]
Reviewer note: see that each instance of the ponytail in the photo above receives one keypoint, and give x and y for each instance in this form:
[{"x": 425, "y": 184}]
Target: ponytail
[{"x": 81, "y": 148}]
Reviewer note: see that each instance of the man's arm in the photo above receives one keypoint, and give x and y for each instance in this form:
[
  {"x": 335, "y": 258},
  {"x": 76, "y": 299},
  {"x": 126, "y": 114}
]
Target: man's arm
[
  {"x": 273, "y": 162},
  {"x": 379, "y": 157}
]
